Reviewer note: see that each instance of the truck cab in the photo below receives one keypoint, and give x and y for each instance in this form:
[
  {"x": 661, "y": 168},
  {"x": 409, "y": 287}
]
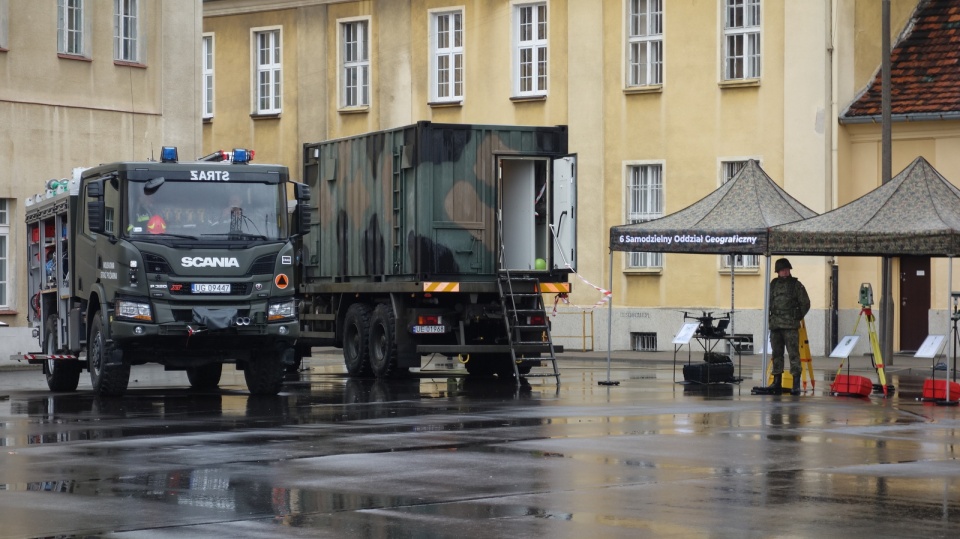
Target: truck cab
[{"x": 186, "y": 264}]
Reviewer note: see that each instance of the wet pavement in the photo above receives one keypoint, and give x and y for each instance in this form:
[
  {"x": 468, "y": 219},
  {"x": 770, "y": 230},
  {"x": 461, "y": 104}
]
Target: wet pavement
[{"x": 444, "y": 455}]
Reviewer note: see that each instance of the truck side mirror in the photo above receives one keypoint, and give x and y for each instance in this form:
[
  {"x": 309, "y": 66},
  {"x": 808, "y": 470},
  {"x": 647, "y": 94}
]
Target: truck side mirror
[
  {"x": 302, "y": 213},
  {"x": 96, "y": 208}
]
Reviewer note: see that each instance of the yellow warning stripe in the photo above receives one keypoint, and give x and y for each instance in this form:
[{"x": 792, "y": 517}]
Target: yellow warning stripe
[
  {"x": 558, "y": 288},
  {"x": 441, "y": 287}
]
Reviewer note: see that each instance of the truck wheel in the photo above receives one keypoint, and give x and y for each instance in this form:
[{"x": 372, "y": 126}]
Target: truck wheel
[
  {"x": 62, "y": 375},
  {"x": 264, "y": 374},
  {"x": 205, "y": 376},
  {"x": 356, "y": 340},
  {"x": 383, "y": 342},
  {"x": 108, "y": 381}
]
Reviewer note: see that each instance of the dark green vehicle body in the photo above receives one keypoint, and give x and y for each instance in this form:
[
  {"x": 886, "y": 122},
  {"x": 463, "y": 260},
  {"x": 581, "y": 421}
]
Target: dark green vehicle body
[
  {"x": 183, "y": 287},
  {"x": 420, "y": 221}
]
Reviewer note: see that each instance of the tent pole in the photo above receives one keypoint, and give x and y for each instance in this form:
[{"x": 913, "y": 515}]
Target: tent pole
[
  {"x": 766, "y": 314},
  {"x": 952, "y": 347}
]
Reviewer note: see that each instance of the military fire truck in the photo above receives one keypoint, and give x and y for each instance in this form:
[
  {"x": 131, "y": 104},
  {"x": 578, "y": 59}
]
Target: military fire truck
[
  {"x": 439, "y": 239},
  {"x": 186, "y": 264}
]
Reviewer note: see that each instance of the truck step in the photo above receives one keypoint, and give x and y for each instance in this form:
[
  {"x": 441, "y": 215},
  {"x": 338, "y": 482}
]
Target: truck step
[{"x": 330, "y": 317}]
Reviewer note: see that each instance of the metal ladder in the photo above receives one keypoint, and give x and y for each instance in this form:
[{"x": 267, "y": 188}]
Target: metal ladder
[{"x": 524, "y": 317}]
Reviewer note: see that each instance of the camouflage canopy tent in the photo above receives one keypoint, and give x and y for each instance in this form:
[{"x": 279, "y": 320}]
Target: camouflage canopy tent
[
  {"x": 916, "y": 213},
  {"x": 733, "y": 219}
]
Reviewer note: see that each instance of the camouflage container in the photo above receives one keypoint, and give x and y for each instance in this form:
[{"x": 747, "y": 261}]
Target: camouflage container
[{"x": 431, "y": 202}]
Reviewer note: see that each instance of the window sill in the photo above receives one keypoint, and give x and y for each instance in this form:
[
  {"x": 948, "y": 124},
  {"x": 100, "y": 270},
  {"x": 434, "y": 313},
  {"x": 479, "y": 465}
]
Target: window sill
[
  {"x": 739, "y": 271},
  {"x": 271, "y": 116},
  {"x": 360, "y": 109},
  {"x": 4, "y": 49},
  {"x": 126, "y": 63},
  {"x": 8, "y": 312},
  {"x": 739, "y": 83},
  {"x": 65, "y": 56},
  {"x": 444, "y": 104},
  {"x": 208, "y": 120},
  {"x": 528, "y": 98},
  {"x": 648, "y": 89},
  {"x": 643, "y": 271}
]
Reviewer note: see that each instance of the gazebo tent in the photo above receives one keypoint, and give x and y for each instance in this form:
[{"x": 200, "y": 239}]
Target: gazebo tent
[
  {"x": 733, "y": 219},
  {"x": 916, "y": 213}
]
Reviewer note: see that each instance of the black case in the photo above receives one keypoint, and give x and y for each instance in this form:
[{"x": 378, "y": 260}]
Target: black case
[{"x": 709, "y": 373}]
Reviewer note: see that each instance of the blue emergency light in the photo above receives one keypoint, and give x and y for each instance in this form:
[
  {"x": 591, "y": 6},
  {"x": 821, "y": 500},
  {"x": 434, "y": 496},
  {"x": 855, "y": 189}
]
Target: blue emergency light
[
  {"x": 241, "y": 156},
  {"x": 168, "y": 154}
]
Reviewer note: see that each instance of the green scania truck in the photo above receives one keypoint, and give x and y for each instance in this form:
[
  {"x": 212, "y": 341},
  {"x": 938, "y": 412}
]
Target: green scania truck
[{"x": 186, "y": 264}]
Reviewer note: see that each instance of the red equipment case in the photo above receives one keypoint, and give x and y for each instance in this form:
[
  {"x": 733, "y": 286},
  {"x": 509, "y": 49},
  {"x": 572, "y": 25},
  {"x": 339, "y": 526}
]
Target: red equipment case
[
  {"x": 859, "y": 386},
  {"x": 937, "y": 390}
]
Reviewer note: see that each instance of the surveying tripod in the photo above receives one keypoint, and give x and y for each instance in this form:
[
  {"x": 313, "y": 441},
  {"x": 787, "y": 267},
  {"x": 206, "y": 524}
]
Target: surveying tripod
[{"x": 866, "y": 300}]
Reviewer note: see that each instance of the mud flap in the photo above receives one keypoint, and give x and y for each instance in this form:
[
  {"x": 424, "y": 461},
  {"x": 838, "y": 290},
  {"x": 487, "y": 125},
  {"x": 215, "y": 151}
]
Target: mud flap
[{"x": 114, "y": 358}]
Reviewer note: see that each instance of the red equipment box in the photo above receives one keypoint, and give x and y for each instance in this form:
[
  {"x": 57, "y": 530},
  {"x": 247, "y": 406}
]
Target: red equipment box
[
  {"x": 937, "y": 390},
  {"x": 860, "y": 386},
  {"x": 35, "y": 232}
]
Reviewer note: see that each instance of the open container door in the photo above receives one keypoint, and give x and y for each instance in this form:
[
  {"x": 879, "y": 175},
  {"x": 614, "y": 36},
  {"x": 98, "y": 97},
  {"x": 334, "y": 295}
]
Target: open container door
[{"x": 564, "y": 217}]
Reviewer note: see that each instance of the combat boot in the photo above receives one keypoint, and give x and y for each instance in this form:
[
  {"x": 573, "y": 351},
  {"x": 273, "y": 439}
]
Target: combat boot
[
  {"x": 795, "y": 390},
  {"x": 777, "y": 383}
]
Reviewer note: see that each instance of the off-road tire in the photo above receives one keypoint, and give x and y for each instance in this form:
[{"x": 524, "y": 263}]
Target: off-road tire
[
  {"x": 62, "y": 374},
  {"x": 106, "y": 381},
  {"x": 356, "y": 340},
  {"x": 383, "y": 342},
  {"x": 205, "y": 376},
  {"x": 264, "y": 373}
]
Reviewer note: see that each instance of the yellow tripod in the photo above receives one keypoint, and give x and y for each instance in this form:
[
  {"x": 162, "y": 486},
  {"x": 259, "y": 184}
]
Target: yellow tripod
[
  {"x": 865, "y": 311},
  {"x": 806, "y": 365}
]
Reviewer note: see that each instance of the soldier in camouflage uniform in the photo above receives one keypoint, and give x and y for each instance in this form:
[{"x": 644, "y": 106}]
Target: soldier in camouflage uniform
[{"x": 789, "y": 303}]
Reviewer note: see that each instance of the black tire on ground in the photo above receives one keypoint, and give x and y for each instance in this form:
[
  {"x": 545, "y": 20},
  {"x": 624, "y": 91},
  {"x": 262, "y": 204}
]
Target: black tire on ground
[
  {"x": 205, "y": 376},
  {"x": 383, "y": 342},
  {"x": 356, "y": 340},
  {"x": 503, "y": 366},
  {"x": 107, "y": 381},
  {"x": 264, "y": 372},
  {"x": 479, "y": 365},
  {"x": 62, "y": 374}
]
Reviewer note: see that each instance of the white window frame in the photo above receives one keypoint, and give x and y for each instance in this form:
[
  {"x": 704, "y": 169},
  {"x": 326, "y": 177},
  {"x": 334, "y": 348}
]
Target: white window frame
[
  {"x": 530, "y": 49},
  {"x": 728, "y": 169},
  {"x": 641, "y": 206},
  {"x": 354, "y": 59},
  {"x": 446, "y": 55},
  {"x": 644, "y": 43},
  {"x": 742, "y": 20},
  {"x": 267, "y": 62},
  {"x": 6, "y": 210},
  {"x": 126, "y": 30},
  {"x": 72, "y": 24},
  {"x": 4, "y": 23},
  {"x": 207, "y": 64}
]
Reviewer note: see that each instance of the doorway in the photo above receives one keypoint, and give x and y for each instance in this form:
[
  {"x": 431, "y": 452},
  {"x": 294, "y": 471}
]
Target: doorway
[{"x": 914, "y": 301}]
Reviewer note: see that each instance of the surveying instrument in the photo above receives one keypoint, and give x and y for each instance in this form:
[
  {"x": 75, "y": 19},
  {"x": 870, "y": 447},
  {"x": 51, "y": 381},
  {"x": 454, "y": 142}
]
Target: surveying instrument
[{"x": 866, "y": 301}]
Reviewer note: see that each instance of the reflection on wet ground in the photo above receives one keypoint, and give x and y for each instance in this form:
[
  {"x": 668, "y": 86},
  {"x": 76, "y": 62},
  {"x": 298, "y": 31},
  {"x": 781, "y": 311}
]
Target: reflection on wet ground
[{"x": 440, "y": 454}]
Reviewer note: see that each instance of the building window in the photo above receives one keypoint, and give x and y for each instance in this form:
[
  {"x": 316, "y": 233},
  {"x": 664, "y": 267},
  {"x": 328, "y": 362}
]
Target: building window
[
  {"x": 207, "y": 76},
  {"x": 645, "y": 43},
  {"x": 4, "y": 251},
  {"x": 70, "y": 27},
  {"x": 645, "y": 203},
  {"x": 729, "y": 169},
  {"x": 356, "y": 64},
  {"x": 269, "y": 71},
  {"x": 125, "y": 23},
  {"x": 447, "y": 53},
  {"x": 531, "y": 50},
  {"x": 741, "y": 33}
]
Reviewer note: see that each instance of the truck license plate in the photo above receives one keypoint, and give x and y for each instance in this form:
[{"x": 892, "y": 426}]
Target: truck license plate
[
  {"x": 210, "y": 288},
  {"x": 428, "y": 329}
]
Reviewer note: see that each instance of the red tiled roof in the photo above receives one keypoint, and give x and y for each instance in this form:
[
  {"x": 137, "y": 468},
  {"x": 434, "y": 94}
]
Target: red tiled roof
[{"x": 924, "y": 66}]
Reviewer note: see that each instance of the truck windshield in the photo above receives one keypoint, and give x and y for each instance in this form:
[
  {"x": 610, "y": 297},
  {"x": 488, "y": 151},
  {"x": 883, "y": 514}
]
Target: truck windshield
[{"x": 207, "y": 210}]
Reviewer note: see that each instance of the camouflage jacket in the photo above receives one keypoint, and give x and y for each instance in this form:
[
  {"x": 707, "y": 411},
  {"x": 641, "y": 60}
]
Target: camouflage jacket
[{"x": 789, "y": 303}]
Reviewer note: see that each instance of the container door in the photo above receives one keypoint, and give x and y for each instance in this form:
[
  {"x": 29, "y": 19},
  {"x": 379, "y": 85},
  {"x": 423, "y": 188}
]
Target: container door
[
  {"x": 563, "y": 219},
  {"x": 517, "y": 181}
]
